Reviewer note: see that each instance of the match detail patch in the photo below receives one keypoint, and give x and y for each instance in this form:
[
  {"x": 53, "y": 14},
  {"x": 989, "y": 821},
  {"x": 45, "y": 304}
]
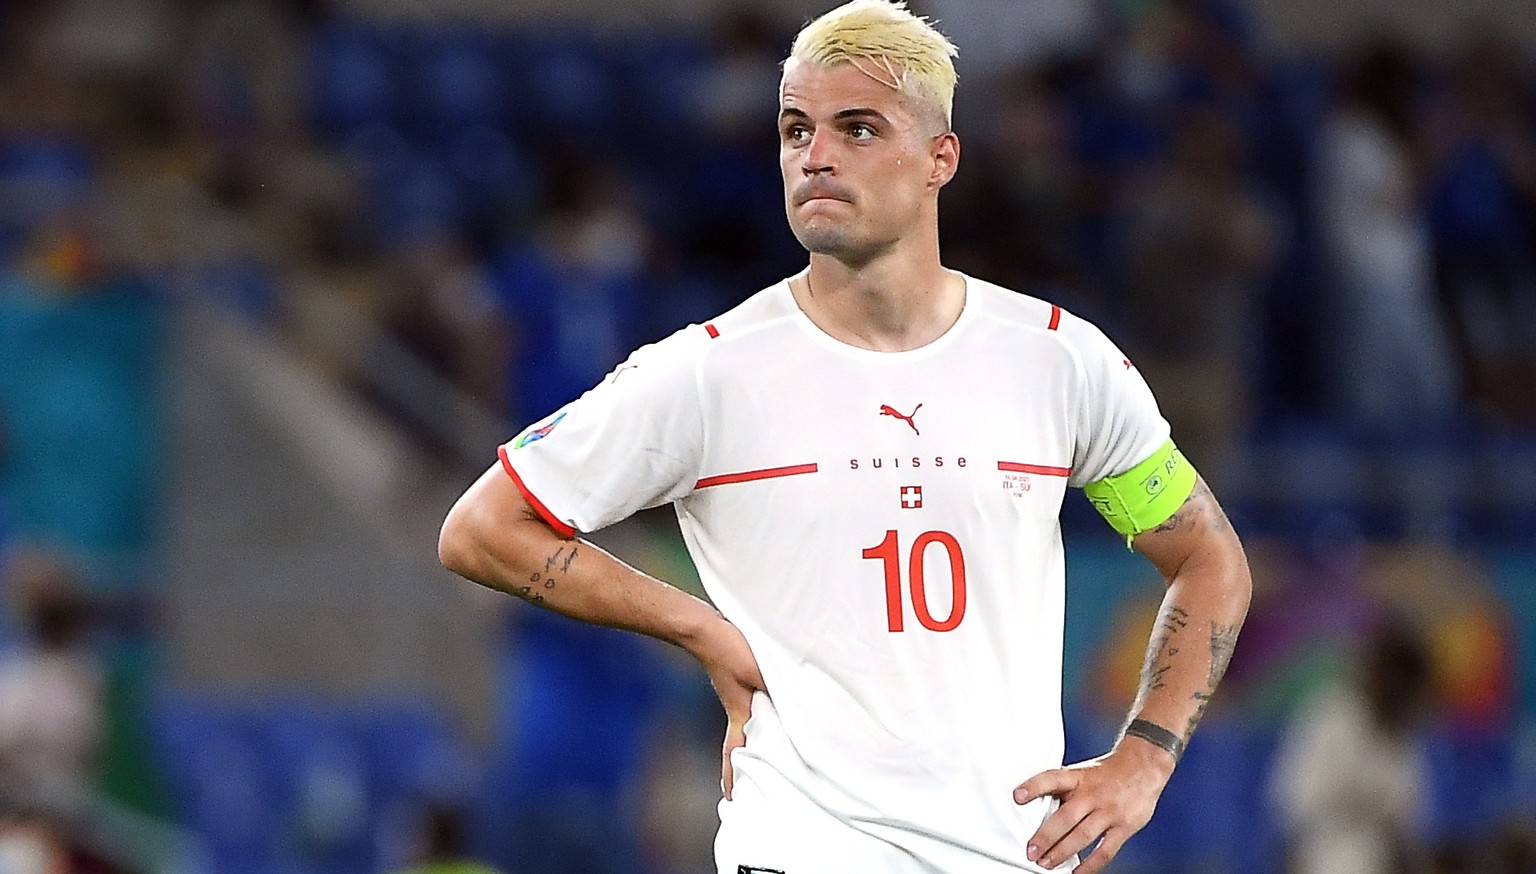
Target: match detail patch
[{"x": 1145, "y": 496}]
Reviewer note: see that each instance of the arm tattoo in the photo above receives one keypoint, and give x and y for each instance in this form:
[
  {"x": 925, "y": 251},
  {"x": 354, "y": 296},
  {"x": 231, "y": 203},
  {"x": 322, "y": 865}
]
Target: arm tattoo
[
  {"x": 557, "y": 564},
  {"x": 1199, "y": 515},
  {"x": 1165, "y": 646},
  {"x": 1156, "y": 735},
  {"x": 1199, "y": 508},
  {"x": 1223, "y": 642},
  {"x": 1163, "y": 649}
]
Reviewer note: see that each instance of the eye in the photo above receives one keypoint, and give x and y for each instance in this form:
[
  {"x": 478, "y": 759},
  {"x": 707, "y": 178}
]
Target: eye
[
  {"x": 797, "y": 133},
  {"x": 861, "y": 131}
]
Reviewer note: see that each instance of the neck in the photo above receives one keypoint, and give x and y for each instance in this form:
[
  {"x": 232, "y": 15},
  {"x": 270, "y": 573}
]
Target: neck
[{"x": 900, "y": 301}]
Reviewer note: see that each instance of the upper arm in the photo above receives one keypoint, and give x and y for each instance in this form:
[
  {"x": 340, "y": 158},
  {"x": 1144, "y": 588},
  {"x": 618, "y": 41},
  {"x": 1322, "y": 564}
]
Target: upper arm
[
  {"x": 1198, "y": 531},
  {"x": 490, "y": 519},
  {"x": 1118, "y": 425}
]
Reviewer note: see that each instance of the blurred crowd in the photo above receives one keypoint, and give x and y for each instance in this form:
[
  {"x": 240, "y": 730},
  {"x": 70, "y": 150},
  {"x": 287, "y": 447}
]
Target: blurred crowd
[{"x": 1317, "y": 262}]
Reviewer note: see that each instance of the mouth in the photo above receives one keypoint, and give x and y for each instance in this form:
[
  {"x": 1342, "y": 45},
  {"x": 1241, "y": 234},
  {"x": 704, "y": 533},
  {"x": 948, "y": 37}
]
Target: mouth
[{"x": 812, "y": 196}]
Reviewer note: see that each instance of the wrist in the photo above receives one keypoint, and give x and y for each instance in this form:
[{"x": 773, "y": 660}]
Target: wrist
[
  {"x": 699, "y": 628},
  {"x": 1152, "y": 745}
]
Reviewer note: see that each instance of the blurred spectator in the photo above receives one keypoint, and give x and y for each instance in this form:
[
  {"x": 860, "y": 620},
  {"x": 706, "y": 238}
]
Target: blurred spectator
[
  {"x": 1351, "y": 774},
  {"x": 736, "y": 87},
  {"x": 1391, "y": 367},
  {"x": 1199, "y": 245},
  {"x": 1012, "y": 217},
  {"x": 726, "y": 202},
  {"x": 51, "y": 707},
  {"x": 573, "y": 289},
  {"x": 28, "y": 845},
  {"x": 1484, "y": 211},
  {"x": 445, "y": 309},
  {"x": 443, "y": 846},
  {"x": 1002, "y": 35}
]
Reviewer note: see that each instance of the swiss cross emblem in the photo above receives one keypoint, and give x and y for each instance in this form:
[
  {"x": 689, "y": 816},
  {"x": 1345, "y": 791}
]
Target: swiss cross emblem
[{"x": 911, "y": 497}]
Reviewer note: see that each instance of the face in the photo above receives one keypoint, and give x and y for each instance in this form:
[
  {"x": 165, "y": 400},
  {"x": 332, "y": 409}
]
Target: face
[{"x": 861, "y": 168}]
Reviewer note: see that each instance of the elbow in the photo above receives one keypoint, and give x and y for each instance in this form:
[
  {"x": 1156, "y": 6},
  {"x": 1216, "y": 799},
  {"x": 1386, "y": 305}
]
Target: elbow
[
  {"x": 456, "y": 543},
  {"x": 1238, "y": 576}
]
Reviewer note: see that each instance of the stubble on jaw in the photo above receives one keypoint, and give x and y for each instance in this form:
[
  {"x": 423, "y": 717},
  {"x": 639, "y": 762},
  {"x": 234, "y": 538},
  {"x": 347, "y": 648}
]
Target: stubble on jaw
[{"x": 839, "y": 242}]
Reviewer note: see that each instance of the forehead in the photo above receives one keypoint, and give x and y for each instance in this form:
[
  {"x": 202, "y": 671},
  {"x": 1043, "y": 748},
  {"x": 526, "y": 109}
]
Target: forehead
[{"x": 819, "y": 90}]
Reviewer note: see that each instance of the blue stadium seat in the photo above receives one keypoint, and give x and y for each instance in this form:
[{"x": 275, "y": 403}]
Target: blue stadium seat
[
  {"x": 352, "y": 80},
  {"x": 1471, "y": 783},
  {"x": 416, "y": 758},
  {"x": 40, "y": 175},
  {"x": 493, "y": 177},
  {"x": 456, "y": 82},
  {"x": 211, "y": 758},
  {"x": 420, "y": 194},
  {"x": 570, "y": 83},
  {"x": 414, "y": 751},
  {"x": 324, "y": 797}
]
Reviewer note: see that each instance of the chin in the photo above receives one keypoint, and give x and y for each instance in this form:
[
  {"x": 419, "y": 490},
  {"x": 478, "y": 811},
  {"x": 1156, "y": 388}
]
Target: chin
[{"x": 822, "y": 240}]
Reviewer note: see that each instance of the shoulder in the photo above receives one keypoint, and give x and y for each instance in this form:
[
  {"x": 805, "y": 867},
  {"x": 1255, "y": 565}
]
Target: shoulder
[
  {"x": 1015, "y": 308},
  {"x": 687, "y": 348},
  {"x": 770, "y": 306},
  {"x": 1043, "y": 319}
]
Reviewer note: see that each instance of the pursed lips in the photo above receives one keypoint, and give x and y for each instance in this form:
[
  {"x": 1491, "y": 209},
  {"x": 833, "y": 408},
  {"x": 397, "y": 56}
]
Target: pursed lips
[{"x": 821, "y": 192}]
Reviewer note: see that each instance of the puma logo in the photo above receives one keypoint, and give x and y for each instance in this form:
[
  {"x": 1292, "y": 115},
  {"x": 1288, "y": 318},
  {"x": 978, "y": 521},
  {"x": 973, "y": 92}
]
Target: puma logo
[{"x": 888, "y": 410}]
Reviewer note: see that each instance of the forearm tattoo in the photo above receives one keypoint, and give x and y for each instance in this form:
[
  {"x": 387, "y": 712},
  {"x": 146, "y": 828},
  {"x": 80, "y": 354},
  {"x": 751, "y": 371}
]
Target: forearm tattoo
[
  {"x": 1223, "y": 642},
  {"x": 556, "y": 566},
  {"x": 1163, "y": 648},
  {"x": 1171, "y": 634},
  {"x": 1166, "y": 644}
]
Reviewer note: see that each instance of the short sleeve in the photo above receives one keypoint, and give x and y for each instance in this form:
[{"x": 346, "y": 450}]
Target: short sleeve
[
  {"x": 1118, "y": 423},
  {"x": 632, "y": 442}
]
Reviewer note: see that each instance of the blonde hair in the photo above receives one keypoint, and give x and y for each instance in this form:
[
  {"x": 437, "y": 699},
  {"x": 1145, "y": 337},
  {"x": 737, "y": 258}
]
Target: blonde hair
[{"x": 888, "y": 43}]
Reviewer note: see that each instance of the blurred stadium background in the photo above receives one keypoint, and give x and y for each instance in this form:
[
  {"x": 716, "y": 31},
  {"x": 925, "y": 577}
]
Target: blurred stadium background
[{"x": 277, "y": 277}]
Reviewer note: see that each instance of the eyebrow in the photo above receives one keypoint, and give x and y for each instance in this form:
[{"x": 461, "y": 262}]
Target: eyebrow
[{"x": 841, "y": 115}]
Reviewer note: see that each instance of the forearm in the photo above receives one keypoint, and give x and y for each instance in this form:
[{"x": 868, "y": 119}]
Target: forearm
[
  {"x": 493, "y": 538},
  {"x": 1197, "y": 628},
  {"x": 1192, "y": 642}
]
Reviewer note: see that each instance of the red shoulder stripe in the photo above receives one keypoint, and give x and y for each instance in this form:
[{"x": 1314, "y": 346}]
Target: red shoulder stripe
[
  {"x": 1055, "y": 318},
  {"x": 713, "y": 331}
]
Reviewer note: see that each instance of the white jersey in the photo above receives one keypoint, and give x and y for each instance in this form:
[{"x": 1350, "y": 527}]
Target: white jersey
[{"x": 884, "y": 530}]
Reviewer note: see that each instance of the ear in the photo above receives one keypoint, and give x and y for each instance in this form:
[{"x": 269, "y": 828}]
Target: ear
[{"x": 945, "y": 153}]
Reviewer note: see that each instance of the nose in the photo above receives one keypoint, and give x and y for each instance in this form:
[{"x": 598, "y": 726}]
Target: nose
[{"x": 819, "y": 156}]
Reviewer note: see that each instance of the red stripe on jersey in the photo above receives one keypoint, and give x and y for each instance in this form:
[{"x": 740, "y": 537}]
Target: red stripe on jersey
[
  {"x": 747, "y": 476},
  {"x": 1055, "y": 318},
  {"x": 550, "y": 518},
  {"x": 713, "y": 331},
  {"x": 1041, "y": 469}
]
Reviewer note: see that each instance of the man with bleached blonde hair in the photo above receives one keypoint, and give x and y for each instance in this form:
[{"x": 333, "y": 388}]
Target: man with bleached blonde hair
[{"x": 868, "y": 462}]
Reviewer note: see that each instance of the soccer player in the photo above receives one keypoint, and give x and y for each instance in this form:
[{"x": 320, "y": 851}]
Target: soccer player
[{"x": 868, "y": 462}]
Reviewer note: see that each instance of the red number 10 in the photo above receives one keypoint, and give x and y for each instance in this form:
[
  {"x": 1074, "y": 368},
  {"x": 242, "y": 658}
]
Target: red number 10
[{"x": 889, "y": 552}]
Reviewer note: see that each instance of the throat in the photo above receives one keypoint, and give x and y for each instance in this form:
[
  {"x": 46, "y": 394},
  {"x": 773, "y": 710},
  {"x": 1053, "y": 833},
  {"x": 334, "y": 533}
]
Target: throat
[{"x": 882, "y": 318}]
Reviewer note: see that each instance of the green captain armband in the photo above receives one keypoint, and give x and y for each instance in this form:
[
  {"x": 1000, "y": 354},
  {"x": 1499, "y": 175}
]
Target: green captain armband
[{"x": 1145, "y": 496}]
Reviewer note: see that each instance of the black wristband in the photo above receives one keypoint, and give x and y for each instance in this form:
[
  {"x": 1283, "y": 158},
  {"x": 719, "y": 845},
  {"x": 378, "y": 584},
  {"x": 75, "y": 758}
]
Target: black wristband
[{"x": 1157, "y": 736}]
